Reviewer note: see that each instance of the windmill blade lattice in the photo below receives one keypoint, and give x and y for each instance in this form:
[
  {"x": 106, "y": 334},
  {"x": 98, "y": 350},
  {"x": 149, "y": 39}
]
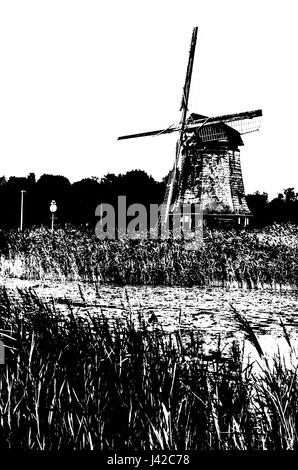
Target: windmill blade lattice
[{"x": 246, "y": 126}]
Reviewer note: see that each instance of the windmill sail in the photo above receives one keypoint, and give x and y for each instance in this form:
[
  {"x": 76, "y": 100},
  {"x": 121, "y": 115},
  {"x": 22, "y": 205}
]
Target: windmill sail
[
  {"x": 245, "y": 122},
  {"x": 184, "y": 108},
  {"x": 246, "y": 125}
]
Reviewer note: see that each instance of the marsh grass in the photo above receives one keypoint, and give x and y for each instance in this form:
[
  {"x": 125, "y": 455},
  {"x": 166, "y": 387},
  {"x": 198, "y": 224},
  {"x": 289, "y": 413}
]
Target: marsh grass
[
  {"x": 82, "y": 383},
  {"x": 244, "y": 259}
]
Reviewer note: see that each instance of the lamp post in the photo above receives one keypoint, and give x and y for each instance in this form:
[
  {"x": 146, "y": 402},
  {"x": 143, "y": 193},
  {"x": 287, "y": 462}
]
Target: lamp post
[
  {"x": 53, "y": 208},
  {"x": 22, "y": 209}
]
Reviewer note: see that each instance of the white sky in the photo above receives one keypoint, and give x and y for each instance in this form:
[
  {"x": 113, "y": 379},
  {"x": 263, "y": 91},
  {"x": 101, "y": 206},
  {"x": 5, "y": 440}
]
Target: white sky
[{"x": 75, "y": 74}]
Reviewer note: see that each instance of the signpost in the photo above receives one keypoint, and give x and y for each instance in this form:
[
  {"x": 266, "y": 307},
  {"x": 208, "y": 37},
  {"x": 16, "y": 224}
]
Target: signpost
[
  {"x": 53, "y": 208},
  {"x": 22, "y": 210}
]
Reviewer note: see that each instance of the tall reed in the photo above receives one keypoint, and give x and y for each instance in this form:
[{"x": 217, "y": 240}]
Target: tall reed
[
  {"x": 83, "y": 383},
  {"x": 244, "y": 259}
]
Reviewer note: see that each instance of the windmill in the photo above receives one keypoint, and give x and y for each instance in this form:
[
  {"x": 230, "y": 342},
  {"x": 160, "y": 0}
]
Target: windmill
[{"x": 207, "y": 169}]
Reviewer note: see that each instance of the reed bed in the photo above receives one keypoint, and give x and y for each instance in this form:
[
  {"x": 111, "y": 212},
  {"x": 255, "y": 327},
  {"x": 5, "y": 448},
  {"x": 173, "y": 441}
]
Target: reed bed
[
  {"x": 74, "y": 383},
  {"x": 241, "y": 258}
]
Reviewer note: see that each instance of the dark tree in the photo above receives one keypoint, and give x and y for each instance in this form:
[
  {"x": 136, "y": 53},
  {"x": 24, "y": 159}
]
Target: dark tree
[
  {"x": 258, "y": 205},
  {"x": 47, "y": 188},
  {"x": 284, "y": 208},
  {"x": 84, "y": 197},
  {"x": 10, "y": 197}
]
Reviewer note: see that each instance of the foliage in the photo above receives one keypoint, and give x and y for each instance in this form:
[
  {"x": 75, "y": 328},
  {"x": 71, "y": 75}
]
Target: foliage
[
  {"x": 281, "y": 209},
  {"x": 77, "y": 201},
  {"x": 71, "y": 383},
  {"x": 253, "y": 259}
]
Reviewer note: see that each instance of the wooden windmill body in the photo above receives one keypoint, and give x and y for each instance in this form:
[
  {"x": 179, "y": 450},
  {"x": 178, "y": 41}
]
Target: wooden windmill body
[
  {"x": 207, "y": 169},
  {"x": 211, "y": 175}
]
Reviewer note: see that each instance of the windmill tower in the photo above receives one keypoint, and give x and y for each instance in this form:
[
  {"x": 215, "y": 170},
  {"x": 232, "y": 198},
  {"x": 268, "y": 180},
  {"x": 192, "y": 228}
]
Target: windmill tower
[
  {"x": 207, "y": 169},
  {"x": 210, "y": 173}
]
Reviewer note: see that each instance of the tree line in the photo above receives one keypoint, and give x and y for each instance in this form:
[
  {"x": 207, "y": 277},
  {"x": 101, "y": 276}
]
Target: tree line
[
  {"x": 77, "y": 201},
  {"x": 281, "y": 209}
]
